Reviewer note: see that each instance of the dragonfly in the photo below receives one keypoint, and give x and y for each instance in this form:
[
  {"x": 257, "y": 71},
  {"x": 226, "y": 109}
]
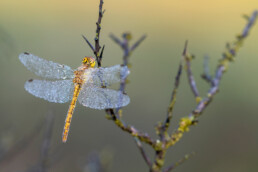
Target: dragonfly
[{"x": 86, "y": 84}]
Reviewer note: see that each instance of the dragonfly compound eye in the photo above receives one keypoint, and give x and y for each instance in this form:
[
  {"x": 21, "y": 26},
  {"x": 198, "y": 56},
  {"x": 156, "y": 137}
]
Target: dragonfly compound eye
[
  {"x": 84, "y": 60},
  {"x": 92, "y": 62},
  {"x": 89, "y": 61}
]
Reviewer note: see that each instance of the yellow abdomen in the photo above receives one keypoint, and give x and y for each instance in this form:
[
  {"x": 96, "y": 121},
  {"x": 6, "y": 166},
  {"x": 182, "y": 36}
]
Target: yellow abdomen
[{"x": 69, "y": 115}]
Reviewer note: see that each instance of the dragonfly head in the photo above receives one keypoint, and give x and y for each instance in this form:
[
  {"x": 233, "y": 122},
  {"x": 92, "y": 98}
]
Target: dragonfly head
[{"x": 89, "y": 61}]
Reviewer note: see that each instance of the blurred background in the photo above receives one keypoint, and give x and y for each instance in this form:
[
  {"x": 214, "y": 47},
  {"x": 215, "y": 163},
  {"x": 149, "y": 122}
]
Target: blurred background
[{"x": 226, "y": 137}]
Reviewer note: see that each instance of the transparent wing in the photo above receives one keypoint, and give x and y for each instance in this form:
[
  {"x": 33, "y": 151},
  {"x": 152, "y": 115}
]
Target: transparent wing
[
  {"x": 53, "y": 91},
  {"x": 102, "y": 98},
  {"x": 44, "y": 68},
  {"x": 106, "y": 76}
]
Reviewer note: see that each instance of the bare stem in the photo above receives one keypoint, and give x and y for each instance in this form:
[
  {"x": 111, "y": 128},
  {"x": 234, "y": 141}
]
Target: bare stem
[
  {"x": 144, "y": 137},
  {"x": 144, "y": 155},
  {"x": 88, "y": 42},
  {"x": 206, "y": 70},
  {"x": 137, "y": 43},
  {"x": 192, "y": 83},
  {"x": 98, "y": 23},
  {"x": 162, "y": 131},
  {"x": 181, "y": 161}
]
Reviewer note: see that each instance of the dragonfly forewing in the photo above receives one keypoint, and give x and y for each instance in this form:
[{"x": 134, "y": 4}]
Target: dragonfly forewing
[
  {"x": 45, "y": 68},
  {"x": 106, "y": 76},
  {"x": 102, "y": 98},
  {"x": 60, "y": 91}
]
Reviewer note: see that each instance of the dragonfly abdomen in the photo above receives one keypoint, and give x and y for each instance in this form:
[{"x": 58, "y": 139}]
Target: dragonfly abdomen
[{"x": 69, "y": 115}]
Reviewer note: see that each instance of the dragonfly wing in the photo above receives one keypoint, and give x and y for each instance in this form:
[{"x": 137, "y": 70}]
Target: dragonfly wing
[
  {"x": 45, "y": 68},
  {"x": 102, "y": 98},
  {"x": 107, "y": 75},
  {"x": 53, "y": 91}
]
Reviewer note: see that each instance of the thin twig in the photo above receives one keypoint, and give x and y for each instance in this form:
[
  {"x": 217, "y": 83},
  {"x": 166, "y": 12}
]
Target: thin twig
[
  {"x": 166, "y": 123},
  {"x": 137, "y": 43},
  {"x": 166, "y": 140},
  {"x": 227, "y": 56},
  {"x": 124, "y": 44},
  {"x": 125, "y": 47},
  {"x": 190, "y": 76},
  {"x": 162, "y": 130},
  {"x": 251, "y": 22},
  {"x": 115, "y": 39},
  {"x": 174, "y": 165},
  {"x": 127, "y": 52},
  {"x": 144, "y": 137},
  {"x": 144, "y": 155},
  {"x": 88, "y": 42},
  {"x": 101, "y": 53},
  {"x": 98, "y": 23},
  {"x": 206, "y": 70}
]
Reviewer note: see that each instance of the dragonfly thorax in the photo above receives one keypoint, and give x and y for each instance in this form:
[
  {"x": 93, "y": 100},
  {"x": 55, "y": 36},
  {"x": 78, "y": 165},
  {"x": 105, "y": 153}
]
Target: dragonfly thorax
[{"x": 78, "y": 77}]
